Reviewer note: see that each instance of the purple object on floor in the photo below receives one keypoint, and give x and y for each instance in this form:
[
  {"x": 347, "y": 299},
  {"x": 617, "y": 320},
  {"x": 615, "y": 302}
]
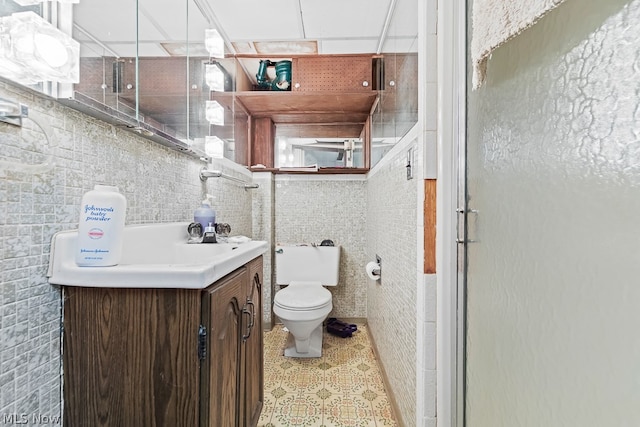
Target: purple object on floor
[{"x": 340, "y": 328}]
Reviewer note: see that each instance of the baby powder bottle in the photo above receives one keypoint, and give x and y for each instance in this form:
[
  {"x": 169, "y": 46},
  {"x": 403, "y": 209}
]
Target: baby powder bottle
[
  {"x": 101, "y": 227},
  {"x": 205, "y": 214}
]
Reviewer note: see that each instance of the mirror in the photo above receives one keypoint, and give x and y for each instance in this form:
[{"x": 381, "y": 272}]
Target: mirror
[
  {"x": 143, "y": 66},
  {"x": 397, "y": 110}
]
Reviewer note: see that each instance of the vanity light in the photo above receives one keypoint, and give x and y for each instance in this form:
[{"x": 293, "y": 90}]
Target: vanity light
[
  {"x": 214, "y": 77},
  {"x": 214, "y": 43},
  {"x": 214, "y": 112},
  {"x": 33, "y": 50},
  {"x": 214, "y": 147},
  {"x": 32, "y": 2}
]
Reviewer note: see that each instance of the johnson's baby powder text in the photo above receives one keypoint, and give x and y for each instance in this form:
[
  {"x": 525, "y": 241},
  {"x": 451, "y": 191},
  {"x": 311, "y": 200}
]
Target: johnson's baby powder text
[{"x": 101, "y": 227}]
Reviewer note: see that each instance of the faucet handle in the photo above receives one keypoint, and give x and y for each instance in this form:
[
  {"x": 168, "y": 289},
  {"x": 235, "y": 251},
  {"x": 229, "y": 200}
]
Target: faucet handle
[{"x": 223, "y": 229}]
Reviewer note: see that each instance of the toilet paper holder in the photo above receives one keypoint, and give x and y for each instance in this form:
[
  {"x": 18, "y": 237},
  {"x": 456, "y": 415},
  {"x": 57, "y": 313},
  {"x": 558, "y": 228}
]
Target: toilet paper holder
[{"x": 374, "y": 269}]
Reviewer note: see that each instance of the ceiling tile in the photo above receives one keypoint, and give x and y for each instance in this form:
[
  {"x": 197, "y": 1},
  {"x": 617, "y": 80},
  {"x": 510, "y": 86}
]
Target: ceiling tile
[
  {"x": 405, "y": 19},
  {"x": 347, "y": 46},
  {"x": 107, "y": 20},
  {"x": 250, "y": 20},
  {"x": 340, "y": 18},
  {"x": 339, "y": 26}
]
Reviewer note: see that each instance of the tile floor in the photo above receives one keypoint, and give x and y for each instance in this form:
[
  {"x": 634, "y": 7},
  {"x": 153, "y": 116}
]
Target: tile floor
[{"x": 343, "y": 388}]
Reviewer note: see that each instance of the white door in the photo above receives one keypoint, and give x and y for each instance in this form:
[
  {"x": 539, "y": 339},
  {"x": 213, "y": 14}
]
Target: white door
[{"x": 553, "y": 279}]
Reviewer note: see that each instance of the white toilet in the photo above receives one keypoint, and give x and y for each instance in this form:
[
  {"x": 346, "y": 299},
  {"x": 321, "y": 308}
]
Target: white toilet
[{"x": 304, "y": 304}]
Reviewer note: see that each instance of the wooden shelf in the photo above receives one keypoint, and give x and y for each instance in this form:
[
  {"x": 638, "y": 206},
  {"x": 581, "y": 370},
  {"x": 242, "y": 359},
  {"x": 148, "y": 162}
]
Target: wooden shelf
[
  {"x": 320, "y": 171},
  {"x": 300, "y": 110},
  {"x": 268, "y": 103}
]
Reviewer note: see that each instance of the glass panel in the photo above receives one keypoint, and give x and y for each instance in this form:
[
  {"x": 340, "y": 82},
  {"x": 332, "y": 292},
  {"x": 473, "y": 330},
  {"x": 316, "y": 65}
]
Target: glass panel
[
  {"x": 149, "y": 67},
  {"x": 397, "y": 110},
  {"x": 163, "y": 73},
  {"x": 317, "y": 152},
  {"x": 107, "y": 32}
]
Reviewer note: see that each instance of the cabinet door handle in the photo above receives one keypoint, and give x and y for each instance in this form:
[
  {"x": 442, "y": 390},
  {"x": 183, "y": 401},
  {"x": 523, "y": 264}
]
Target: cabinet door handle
[
  {"x": 253, "y": 313},
  {"x": 248, "y": 334}
]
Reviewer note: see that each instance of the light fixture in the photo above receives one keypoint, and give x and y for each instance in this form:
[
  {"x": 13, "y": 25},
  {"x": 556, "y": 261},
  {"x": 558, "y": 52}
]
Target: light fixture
[
  {"x": 12, "y": 112},
  {"x": 214, "y": 43},
  {"x": 33, "y": 50},
  {"x": 214, "y": 147},
  {"x": 214, "y": 77},
  {"x": 214, "y": 112},
  {"x": 32, "y": 2}
]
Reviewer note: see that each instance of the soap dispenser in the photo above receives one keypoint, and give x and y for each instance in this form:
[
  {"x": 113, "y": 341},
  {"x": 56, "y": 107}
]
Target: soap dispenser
[{"x": 205, "y": 214}]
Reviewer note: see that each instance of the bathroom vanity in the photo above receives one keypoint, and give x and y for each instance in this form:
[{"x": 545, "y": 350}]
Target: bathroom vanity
[
  {"x": 171, "y": 336},
  {"x": 165, "y": 357}
]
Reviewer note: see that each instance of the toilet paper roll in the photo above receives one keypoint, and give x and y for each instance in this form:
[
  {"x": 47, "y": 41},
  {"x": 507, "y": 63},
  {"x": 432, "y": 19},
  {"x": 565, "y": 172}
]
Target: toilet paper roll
[{"x": 373, "y": 270}]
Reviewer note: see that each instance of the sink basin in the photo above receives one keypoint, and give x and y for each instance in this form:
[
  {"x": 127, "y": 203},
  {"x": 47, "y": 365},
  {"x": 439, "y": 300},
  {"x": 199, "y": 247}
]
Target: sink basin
[{"x": 153, "y": 256}]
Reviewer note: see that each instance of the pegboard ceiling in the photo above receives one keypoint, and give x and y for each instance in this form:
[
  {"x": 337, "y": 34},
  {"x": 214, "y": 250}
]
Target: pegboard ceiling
[{"x": 166, "y": 27}]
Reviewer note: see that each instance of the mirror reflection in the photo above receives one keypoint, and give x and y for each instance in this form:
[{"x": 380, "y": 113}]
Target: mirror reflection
[{"x": 338, "y": 90}]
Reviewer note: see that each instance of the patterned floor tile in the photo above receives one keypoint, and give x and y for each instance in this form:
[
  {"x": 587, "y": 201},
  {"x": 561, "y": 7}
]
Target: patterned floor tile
[
  {"x": 374, "y": 381},
  {"x": 342, "y": 388},
  {"x": 345, "y": 380},
  {"x": 298, "y": 410},
  {"x": 268, "y": 406},
  {"x": 303, "y": 380},
  {"x": 348, "y": 411}
]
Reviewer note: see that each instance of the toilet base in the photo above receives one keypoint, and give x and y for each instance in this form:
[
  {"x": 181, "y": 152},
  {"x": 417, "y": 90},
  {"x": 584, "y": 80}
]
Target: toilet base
[{"x": 315, "y": 345}]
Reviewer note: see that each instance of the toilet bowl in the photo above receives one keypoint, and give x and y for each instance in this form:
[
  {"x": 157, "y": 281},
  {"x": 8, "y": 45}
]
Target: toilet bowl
[
  {"x": 305, "y": 303},
  {"x": 302, "y": 310}
]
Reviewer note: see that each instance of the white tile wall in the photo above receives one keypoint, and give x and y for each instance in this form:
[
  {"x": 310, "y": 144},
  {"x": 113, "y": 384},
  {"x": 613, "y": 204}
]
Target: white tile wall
[
  {"x": 313, "y": 208},
  {"x": 392, "y": 233},
  {"x": 263, "y": 229}
]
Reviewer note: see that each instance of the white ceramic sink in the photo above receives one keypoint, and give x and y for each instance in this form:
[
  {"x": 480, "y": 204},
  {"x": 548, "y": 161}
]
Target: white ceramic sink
[{"x": 153, "y": 256}]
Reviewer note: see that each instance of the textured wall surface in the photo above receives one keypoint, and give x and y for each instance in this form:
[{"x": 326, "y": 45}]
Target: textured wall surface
[
  {"x": 263, "y": 229},
  {"x": 554, "y": 171},
  {"x": 392, "y": 302},
  {"x": 160, "y": 185},
  {"x": 310, "y": 208}
]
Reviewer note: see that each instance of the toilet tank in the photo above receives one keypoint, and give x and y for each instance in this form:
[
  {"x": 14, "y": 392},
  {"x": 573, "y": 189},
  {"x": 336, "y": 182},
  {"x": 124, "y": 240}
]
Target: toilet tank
[{"x": 307, "y": 264}]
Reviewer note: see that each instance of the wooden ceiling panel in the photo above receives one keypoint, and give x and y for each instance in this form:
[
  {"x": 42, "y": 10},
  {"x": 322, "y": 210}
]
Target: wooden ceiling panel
[{"x": 261, "y": 104}]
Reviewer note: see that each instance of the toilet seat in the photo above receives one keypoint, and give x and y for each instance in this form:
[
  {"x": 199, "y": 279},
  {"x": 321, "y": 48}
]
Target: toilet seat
[{"x": 311, "y": 296}]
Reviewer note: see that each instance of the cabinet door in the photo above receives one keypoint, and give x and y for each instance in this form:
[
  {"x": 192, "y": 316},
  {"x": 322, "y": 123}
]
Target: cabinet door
[
  {"x": 221, "y": 369},
  {"x": 332, "y": 74},
  {"x": 130, "y": 357},
  {"x": 253, "y": 346}
]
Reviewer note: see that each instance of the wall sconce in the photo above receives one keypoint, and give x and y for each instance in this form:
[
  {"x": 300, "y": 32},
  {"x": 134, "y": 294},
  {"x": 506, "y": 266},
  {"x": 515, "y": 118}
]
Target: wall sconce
[
  {"x": 12, "y": 112},
  {"x": 214, "y": 147},
  {"x": 214, "y": 112},
  {"x": 32, "y": 2},
  {"x": 32, "y": 50},
  {"x": 214, "y": 77},
  {"x": 214, "y": 43}
]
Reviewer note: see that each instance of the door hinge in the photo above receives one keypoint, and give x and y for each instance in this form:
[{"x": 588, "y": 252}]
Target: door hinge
[{"x": 202, "y": 342}]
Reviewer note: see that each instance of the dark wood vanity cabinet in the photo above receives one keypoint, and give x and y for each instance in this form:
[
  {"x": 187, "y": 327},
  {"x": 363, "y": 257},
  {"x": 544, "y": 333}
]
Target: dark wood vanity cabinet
[
  {"x": 165, "y": 357},
  {"x": 254, "y": 353}
]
